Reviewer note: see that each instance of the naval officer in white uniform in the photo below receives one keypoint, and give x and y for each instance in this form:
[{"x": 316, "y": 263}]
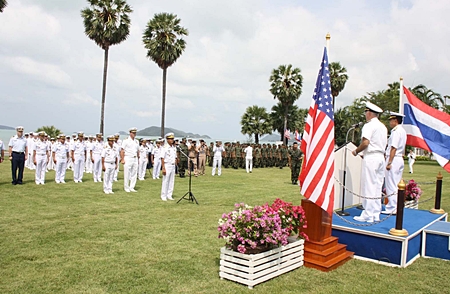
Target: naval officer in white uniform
[
  {"x": 41, "y": 152},
  {"x": 110, "y": 161},
  {"x": 394, "y": 160},
  {"x": 60, "y": 155},
  {"x": 78, "y": 150},
  {"x": 129, "y": 156},
  {"x": 96, "y": 157},
  {"x": 168, "y": 157},
  {"x": 373, "y": 146}
]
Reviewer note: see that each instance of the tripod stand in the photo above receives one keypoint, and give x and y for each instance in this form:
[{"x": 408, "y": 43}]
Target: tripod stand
[{"x": 190, "y": 196}]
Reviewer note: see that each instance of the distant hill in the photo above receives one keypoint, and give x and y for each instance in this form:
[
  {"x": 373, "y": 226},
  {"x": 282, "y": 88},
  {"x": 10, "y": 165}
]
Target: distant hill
[
  {"x": 156, "y": 131},
  {"x": 276, "y": 138},
  {"x": 6, "y": 128}
]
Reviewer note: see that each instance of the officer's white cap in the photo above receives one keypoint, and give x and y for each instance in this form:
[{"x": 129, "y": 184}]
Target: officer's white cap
[
  {"x": 170, "y": 136},
  {"x": 80, "y": 133},
  {"x": 132, "y": 130},
  {"x": 111, "y": 138},
  {"x": 372, "y": 107},
  {"x": 393, "y": 115},
  {"x": 19, "y": 129}
]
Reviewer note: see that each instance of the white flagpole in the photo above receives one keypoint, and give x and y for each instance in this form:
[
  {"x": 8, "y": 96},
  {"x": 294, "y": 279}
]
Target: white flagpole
[
  {"x": 400, "y": 100},
  {"x": 328, "y": 37}
]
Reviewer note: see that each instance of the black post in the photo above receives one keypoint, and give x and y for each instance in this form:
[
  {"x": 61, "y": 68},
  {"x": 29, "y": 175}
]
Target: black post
[
  {"x": 342, "y": 212},
  {"x": 437, "y": 200},
  {"x": 398, "y": 230}
]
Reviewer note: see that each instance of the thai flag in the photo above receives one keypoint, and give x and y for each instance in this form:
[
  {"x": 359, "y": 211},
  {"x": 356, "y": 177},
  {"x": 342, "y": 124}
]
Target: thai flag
[
  {"x": 427, "y": 128},
  {"x": 298, "y": 137}
]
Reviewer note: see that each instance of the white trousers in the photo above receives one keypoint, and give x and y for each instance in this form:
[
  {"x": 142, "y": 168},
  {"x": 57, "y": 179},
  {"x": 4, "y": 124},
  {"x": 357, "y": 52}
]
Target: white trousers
[
  {"x": 373, "y": 169},
  {"x": 130, "y": 172},
  {"x": 30, "y": 161},
  {"x": 142, "y": 167},
  {"x": 97, "y": 167},
  {"x": 156, "y": 168},
  {"x": 61, "y": 165},
  {"x": 50, "y": 165},
  {"x": 411, "y": 163},
  {"x": 116, "y": 172},
  {"x": 217, "y": 162},
  {"x": 78, "y": 167},
  {"x": 392, "y": 178},
  {"x": 108, "y": 176},
  {"x": 248, "y": 164},
  {"x": 41, "y": 165},
  {"x": 88, "y": 164},
  {"x": 168, "y": 182}
]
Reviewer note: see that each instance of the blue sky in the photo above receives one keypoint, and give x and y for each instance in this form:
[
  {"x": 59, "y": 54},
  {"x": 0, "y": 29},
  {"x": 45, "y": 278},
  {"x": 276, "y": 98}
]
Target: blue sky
[{"x": 51, "y": 73}]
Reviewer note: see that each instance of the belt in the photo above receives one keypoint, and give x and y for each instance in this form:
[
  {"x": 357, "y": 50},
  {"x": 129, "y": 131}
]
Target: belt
[
  {"x": 130, "y": 156},
  {"x": 110, "y": 162},
  {"x": 15, "y": 152},
  {"x": 41, "y": 154}
]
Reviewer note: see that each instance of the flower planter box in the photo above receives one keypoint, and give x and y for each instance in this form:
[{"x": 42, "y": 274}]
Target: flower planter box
[
  {"x": 412, "y": 204},
  {"x": 252, "y": 269}
]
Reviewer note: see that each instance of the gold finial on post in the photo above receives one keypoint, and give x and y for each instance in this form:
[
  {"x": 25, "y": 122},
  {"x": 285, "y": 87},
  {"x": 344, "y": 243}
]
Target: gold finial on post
[
  {"x": 328, "y": 36},
  {"x": 401, "y": 186}
]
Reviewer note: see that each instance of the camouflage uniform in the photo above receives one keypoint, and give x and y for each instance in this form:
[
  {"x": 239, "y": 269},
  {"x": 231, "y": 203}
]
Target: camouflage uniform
[
  {"x": 295, "y": 162},
  {"x": 183, "y": 161}
]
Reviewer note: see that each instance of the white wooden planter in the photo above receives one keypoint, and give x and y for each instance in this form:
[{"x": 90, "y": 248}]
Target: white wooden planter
[
  {"x": 413, "y": 204},
  {"x": 252, "y": 269}
]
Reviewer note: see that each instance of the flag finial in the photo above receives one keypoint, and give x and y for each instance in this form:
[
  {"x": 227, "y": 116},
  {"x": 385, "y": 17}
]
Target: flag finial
[{"x": 328, "y": 36}]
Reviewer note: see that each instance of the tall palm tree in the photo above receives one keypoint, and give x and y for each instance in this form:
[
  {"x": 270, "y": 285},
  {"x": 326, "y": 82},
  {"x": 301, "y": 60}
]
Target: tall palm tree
[
  {"x": 338, "y": 77},
  {"x": 446, "y": 106},
  {"x": 428, "y": 96},
  {"x": 3, "y": 4},
  {"x": 286, "y": 86},
  {"x": 255, "y": 121},
  {"x": 163, "y": 40},
  {"x": 107, "y": 23}
]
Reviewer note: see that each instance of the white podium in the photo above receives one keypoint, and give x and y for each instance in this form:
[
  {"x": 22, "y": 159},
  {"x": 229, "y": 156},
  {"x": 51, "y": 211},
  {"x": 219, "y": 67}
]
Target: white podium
[{"x": 352, "y": 176}]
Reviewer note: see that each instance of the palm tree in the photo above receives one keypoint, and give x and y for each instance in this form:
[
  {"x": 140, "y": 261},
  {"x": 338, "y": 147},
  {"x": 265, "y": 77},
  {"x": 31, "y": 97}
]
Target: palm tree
[
  {"x": 51, "y": 131},
  {"x": 428, "y": 96},
  {"x": 163, "y": 40},
  {"x": 338, "y": 77},
  {"x": 286, "y": 86},
  {"x": 296, "y": 119},
  {"x": 446, "y": 106},
  {"x": 255, "y": 121},
  {"x": 107, "y": 23},
  {"x": 3, "y": 4}
]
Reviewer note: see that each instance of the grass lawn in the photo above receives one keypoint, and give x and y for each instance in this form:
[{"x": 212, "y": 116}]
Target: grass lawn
[{"x": 72, "y": 238}]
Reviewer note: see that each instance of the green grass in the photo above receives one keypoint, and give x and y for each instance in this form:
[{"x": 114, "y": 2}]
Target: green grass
[{"x": 72, "y": 238}]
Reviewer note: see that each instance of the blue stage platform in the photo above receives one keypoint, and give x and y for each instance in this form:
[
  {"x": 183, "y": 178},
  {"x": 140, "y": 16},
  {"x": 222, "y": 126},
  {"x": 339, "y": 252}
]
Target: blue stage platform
[{"x": 374, "y": 243}]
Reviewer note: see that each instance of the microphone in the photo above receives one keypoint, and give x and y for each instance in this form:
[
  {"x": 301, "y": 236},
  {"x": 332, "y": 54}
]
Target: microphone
[{"x": 357, "y": 125}]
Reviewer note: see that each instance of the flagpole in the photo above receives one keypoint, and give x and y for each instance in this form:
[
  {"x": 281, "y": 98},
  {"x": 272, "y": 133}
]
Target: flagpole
[{"x": 400, "y": 100}]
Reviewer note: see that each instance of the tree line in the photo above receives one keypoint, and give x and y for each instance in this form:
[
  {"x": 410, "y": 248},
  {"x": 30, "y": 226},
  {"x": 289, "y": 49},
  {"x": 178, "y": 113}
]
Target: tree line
[{"x": 286, "y": 87}]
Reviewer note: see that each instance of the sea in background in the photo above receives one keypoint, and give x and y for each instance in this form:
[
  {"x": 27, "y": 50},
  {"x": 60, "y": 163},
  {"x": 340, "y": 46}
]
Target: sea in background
[{"x": 5, "y": 135}]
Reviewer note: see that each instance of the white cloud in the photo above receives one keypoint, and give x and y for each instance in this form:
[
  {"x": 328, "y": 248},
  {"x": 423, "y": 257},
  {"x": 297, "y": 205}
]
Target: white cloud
[{"x": 80, "y": 98}]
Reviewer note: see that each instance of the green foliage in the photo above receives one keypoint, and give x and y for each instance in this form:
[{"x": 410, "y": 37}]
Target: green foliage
[
  {"x": 255, "y": 121},
  {"x": 295, "y": 118},
  {"x": 107, "y": 22},
  {"x": 51, "y": 131},
  {"x": 423, "y": 158},
  {"x": 428, "y": 96},
  {"x": 3, "y": 4},
  {"x": 163, "y": 39},
  {"x": 338, "y": 78},
  {"x": 72, "y": 238}
]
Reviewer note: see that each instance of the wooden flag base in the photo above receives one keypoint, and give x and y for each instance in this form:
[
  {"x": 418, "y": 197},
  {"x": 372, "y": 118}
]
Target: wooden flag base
[{"x": 322, "y": 251}]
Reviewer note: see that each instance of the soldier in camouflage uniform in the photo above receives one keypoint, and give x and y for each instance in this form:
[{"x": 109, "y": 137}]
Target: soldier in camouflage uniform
[
  {"x": 233, "y": 155},
  {"x": 295, "y": 162},
  {"x": 263, "y": 155},
  {"x": 284, "y": 156},
  {"x": 257, "y": 155},
  {"x": 269, "y": 156},
  {"x": 183, "y": 161},
  {"x": 237, "y": 160},
  {"x": 227, "y": 155},
  {"x": 211, "y": 154}
]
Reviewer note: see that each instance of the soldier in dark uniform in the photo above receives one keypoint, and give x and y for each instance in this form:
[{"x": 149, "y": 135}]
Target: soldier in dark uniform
[
  {"x": 295, "y": 162},
  {"x": 226, "y": 159},
  {"x": 237, "y": 149},
  {"x": 264, "y": 156},
  {"x": 284, "y": 156},
  {"x": 211, "y": 154},
  {"x": 183, "y": 161}
]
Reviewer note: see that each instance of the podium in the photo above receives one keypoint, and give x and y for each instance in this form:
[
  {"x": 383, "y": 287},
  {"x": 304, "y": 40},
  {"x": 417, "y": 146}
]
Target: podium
[{"x": 322, "y": 251}]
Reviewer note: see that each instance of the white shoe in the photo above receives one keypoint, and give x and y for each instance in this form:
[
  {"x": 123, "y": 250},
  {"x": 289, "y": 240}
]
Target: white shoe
[
  {"x": 163, "y": 199},
  {"x": 127, "y": 190},
  {"x": 95, "y": 181},
  {"x": 111, "y": 192},
  {"x": 388, "y": 212},
  {"x": 99, "y": 181},
  {"x": 57, "y": 182},
  {"x": 80, "y": 181},
  {"x": 116, "y": 180},
  {"x": 63, "y": 182},
  {"x": 106, "y": 192},
  {"x": 171, "y": 198},
  {"x": 362, "y": 219},
  {"x": 42, "y": 183},
  {"x": 132, "y": 190},
  {"x": 75, "y": 181}
]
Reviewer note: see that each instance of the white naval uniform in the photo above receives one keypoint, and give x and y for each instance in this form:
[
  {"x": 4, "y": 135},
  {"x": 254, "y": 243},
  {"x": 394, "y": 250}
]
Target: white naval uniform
[
  {"x": 143, "y": 160},
  {"x": 169, "y": 155},
  {"x": 61, "y": 152},
  {"x": 394, "y": 175},
  {"x": 79, "y": 158},
  {"x": 118, "y": 146},
  {"x": 50, "y": 164},
  {"x": 110, "y": 156},
  {"x": 156, "y": 162},
  {"x": 30, "y": 145},
  {"x": 130, "y": 148},
  {"x": 97, "y": 148},
  {"x": 217, "y": 160},
  {"x": 41, "y": 152},
  {"x": 88, "y": 166},
  {"x": 248, "y": 158},
  {"x": 411, "y": 160},
  {"x": 373, "y": 168},
  {"x": 70, "y": 143}
]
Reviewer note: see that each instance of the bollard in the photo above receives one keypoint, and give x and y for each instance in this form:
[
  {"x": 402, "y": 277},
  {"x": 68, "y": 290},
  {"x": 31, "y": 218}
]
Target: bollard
[
  {"x": 398, "y": 230},
  {"x": 437, "y": 200}
]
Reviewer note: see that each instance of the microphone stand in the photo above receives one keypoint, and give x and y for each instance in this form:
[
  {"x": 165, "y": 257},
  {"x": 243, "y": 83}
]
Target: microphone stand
[
  {"x": 342, "y": 212},
  {"x": 191, "y": 197}
]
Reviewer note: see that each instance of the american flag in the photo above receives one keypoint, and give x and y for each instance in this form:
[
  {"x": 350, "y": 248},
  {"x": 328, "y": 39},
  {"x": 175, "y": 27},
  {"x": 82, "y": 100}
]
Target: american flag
[
  {"x": 287, "y": 134},
  {"x": 298, "y": 137},
  {"x": 317, "y": 176}
]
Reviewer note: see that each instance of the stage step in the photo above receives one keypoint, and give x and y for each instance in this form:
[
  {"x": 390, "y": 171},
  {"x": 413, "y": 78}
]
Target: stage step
[
  {"x": 436, "y": 240},
  {"x": 326, "y": 255}
]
